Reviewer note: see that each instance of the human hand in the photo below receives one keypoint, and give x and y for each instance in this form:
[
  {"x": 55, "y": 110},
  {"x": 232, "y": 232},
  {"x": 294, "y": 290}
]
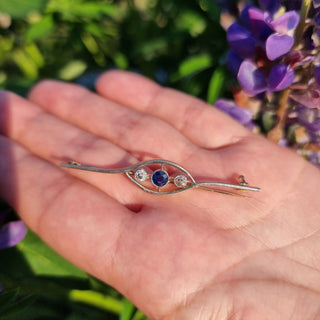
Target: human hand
[{"x": 194, "y": 255}]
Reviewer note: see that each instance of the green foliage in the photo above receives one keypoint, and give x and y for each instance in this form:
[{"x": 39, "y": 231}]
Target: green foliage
[
  {"x": 216, "y": 85},
  {"x": 42, "y": 260},
  {"x": 12, "y": 303},
  {"x": 21, "y": 8},
  {"x": 178, "y": 43},
  {"x": 40, "y": 284}
]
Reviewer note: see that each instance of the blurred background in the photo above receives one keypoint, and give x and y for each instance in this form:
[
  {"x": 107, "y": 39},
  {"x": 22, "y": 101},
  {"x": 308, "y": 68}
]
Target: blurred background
[{"x": 180, "y": 44}]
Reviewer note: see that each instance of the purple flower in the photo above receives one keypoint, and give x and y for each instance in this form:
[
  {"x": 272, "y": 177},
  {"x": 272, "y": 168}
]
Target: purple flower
[
  {"x": 241, "y": 41},
  {"x": 286, "y": 22},
  {"x": 259, "y": 29},
  {"x": 309, "y": 118},
  {"x": 254, "y": 81},
  {"x": 258, "y": 23},
  {"x": 12, "y": 232},
  {"x": 257, "y": 43},
  {"x": 309, "y": 99},
  {"x": 251, "y": 79},
  {"x": 281, "y": 42},
  {"x": 241, "y": 115},
  {"x": 233, "y": 62},
  {"x": 272, "y": 52},
  {"x": 316, "y": 3},
  {"x": 280, "y": 77},
  {"x": 278, "y": 45},
  {"x": 317, "y": 75}
]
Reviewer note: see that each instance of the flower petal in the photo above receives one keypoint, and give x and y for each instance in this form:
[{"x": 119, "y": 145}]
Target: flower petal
[
  {"x": 233, "y": 62},
  {"x": 317, "y": 74},
  {"x": 251, "y": 79},
  {"x": 258, "y": 26},
  {"x": 310, "y": 118},
  {"x": 316, "y": 3},
  {"x": 12, "y": 233},
  {"x": 243, "y": 116},
  {"x": 278, "y": 45},
  {"x": 280, "y": 77},
  {"x": 244, "y": 16},
  {"x": 241, "y": 41},
  {"x": 315, "y": 138},
  {"x": 309, "y": 99},
  {"x": 286, "y": 22}
]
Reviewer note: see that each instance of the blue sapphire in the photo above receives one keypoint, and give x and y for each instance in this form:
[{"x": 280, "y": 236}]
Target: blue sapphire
[{"x": 160, "y": 178}]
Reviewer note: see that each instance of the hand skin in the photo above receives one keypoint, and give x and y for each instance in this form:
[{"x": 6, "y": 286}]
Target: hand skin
[{"x": 194, "y": 255}]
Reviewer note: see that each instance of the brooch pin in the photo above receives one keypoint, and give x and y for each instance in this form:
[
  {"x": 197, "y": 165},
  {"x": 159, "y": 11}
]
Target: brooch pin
[{"x": 165, "y": 177}]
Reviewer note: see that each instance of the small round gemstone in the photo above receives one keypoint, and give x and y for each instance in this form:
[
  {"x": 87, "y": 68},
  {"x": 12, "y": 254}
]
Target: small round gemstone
[
  {"x": 180, "y": 181},
  {"x": 160, "y": 178},
  {"x": 141, "y": 175}
]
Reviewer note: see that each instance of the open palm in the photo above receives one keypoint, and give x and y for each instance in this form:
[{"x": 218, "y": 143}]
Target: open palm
[{"x": 193, "y": 255}]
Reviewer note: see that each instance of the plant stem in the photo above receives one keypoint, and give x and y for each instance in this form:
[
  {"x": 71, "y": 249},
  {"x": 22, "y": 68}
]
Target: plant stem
[
  {"x": 278, "y": 131},
  {"x": 96, "y": 299},
  {"x": 305, "y": 7}
]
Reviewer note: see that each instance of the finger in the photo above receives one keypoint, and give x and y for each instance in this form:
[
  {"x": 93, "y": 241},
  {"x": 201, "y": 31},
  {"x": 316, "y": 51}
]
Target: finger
[
  {"x": 71, "y": 216},
  {"x": 199, "y": 122},
  {"x": 140, "y": 134},
  {"x": 58, "y": 141}
]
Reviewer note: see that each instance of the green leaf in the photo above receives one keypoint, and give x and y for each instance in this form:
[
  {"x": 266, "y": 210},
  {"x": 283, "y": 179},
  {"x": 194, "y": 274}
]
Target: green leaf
[
  {"x": 191, "y": 21},
  {"x": 95, "y": 29},
  {"x": 212, "y": 8},
  {"x": 127, "y": 311},
  {"x": 85, "y": 9},
  {"x": 21, "y": 8},
  {"x": 42, "y": 260},
  {"x": 3, "y": 77},
  {"x": 152, "y": 48},
  {"x": 13, "y": 303},
  {"x": 25, "y": 63},
  {"x": 193, "y": 65},
  {"x": 95, "y": 10},
  {"x": 96, "y": 299},
  {"x": 7, "y": 298},
  {"x": 34, "y": 53},
  {"x": 215, "y": 85},
  {"x": 29, "y": 59},
  {"x": 40, "y": 29},
  {"x": 139, "y": 316},
  {"x": 120, "y": 60},
  {"x": 72, "y": 70}
]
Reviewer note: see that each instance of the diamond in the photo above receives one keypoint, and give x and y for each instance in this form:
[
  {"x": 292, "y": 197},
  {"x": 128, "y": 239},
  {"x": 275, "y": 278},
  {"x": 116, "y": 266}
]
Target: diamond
[
  {"x": 160, "y": 178},
  {"x": 180, "y": 181},
  {"x": 141, "y": 175}
]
